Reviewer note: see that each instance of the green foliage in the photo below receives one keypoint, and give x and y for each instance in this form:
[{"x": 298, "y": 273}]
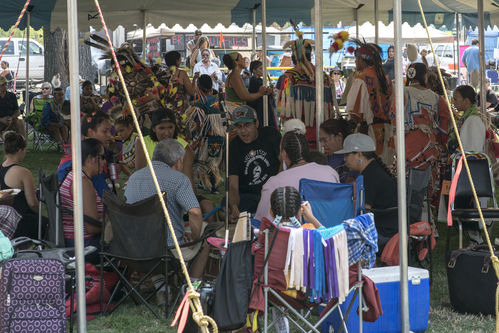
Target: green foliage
[{"x": 34, "y": 34}]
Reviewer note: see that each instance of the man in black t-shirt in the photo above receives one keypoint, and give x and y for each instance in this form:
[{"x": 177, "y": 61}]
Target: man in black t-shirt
[
  {"x": 253, "y": 159},
  {"x": 9, "y": 110}
]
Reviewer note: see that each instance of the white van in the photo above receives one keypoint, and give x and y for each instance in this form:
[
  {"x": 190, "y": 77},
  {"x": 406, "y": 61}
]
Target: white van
[{"x": 15, "y": 55}]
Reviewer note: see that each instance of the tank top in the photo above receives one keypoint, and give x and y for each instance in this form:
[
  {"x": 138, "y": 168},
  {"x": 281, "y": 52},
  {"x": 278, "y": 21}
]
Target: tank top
[
  {"x": 231, "y": 95},
  {"x": 20, "y": 202},
  {"x": 39, "y": 102},
  {"x": 66, "y": 194}
]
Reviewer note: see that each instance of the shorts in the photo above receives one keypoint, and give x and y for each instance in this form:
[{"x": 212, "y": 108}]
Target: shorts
[{"x": 189, "y": 253}]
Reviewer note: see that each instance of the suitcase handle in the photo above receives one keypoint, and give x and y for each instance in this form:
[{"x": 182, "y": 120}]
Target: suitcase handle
[
  {"x": 479, "y": 248},
  {"x": 28, "y": 251}
]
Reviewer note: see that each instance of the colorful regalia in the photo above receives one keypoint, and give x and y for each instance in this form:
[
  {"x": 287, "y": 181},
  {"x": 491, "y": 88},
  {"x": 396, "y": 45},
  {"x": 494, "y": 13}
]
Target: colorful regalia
[{"x": 204, "y": 120}]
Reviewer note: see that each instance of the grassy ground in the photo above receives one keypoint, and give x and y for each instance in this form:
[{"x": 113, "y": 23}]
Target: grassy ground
[{"x": 131, "y": 318}]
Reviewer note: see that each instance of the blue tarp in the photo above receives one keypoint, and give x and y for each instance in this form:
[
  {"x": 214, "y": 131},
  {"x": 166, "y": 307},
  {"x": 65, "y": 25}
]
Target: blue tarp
[{"x": 40, "y": 13}]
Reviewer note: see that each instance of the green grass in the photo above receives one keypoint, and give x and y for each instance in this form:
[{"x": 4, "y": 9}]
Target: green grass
[{"x": 131, "y": 318}]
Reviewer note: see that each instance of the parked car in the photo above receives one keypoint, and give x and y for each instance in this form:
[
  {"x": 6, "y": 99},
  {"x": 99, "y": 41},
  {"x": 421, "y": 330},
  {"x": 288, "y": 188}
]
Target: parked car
[{"x": 15, "y": 55}]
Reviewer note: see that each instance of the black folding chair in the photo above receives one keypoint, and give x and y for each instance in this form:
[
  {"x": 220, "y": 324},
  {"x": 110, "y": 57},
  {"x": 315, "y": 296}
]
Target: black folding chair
[
  {"x": 134, "y": 237},
  {"x": 463, "y": 209}
]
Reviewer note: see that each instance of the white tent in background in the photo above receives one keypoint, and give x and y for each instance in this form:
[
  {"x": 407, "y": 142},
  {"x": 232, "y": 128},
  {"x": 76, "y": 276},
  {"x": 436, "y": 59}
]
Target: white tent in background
[{"x": 416, "y": 34}]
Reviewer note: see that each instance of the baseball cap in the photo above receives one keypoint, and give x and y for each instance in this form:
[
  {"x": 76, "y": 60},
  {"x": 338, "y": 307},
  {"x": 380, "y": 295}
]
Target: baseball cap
[
  {"x": 3, "y": 80},
  {"x": 198, "y": 32},
  {"x": 244, "y": 114},
  {"x": 357, "y": 143}
]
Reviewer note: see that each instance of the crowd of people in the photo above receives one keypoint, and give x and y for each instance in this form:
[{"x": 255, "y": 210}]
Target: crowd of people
[{"x": 264, "y": 161}]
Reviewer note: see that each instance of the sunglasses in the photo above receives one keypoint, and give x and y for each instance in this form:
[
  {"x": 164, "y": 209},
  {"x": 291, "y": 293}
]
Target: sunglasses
[{"x": 336, "y": 73}]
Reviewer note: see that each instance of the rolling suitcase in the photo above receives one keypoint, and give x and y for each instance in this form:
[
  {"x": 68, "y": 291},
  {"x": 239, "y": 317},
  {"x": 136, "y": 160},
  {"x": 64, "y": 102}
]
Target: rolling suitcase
[
  {"x": 32, "y": 296},
  {"x": 472, "y": 280}
]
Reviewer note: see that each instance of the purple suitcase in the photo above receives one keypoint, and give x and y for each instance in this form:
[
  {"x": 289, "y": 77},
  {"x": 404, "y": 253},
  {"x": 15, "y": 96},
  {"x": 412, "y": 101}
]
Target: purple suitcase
[{"x": 32, "y": 296}]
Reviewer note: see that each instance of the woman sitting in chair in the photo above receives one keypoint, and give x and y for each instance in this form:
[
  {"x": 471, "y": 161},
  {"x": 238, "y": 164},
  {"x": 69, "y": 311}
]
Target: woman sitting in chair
[
  {"x": 13, "y": 176},
  {"x": 380, "y": 186},
  {"x": 92, "y": 157},
  {"x": 294, "y": 155}
]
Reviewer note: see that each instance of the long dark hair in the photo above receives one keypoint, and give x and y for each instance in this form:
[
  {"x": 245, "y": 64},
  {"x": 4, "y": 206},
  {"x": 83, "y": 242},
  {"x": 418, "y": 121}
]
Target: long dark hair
[
  {"x": 285, "y": 202},
  {"x": 296, "y": 147},
  {"x": 336, "y": 126},
  {"x": 374, "y": 60},
  {"x": 92, "y": 121},
  {"x": 90, "y": 147},
  {"x": 372, "y": 155}
]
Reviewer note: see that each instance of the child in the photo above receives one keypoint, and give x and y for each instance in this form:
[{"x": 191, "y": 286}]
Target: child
[
  {"x": 126, "y": 134},
  {"x": 286, "y": 208}
]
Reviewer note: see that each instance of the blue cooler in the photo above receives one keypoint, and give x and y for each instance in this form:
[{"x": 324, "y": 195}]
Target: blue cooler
[{"x": 387, "y": 281}]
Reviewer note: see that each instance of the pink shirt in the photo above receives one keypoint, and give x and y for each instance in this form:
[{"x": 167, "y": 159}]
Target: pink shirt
[{"x": 291, "y": 177}]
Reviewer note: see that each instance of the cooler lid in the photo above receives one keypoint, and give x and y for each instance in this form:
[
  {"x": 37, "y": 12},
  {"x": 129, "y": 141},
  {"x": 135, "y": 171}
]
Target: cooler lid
[{"x": 392, "y": 274}]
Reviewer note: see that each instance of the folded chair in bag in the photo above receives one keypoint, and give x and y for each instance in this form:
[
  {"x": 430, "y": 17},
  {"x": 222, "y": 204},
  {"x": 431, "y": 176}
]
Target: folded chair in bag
[
  {"x": 49, "y": 195},
  {"x": 463, "y": 209},
  {"x": 332, "y": 203}
]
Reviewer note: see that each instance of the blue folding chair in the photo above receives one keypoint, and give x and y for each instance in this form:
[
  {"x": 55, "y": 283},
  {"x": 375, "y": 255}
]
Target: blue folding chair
[{"x": 332, "y": 203}]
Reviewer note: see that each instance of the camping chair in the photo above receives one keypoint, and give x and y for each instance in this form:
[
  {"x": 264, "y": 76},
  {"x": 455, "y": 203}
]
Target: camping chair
[
  {"x": 463, "y": 209},
  {"x": 332, "y": 203},
  {"x": 49, "y": 195},
  {"x": 269, "y": 276},
  {"x": 420, "y": 233},
  {"x": 126, "y": 229}
]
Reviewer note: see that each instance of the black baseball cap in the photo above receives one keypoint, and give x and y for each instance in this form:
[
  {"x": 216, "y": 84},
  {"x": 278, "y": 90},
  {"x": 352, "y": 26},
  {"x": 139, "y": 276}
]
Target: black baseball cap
[{"x": 198, "y": 32}]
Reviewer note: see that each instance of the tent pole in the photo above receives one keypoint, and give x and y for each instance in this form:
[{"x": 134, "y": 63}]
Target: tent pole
[
  {"x": 144, "y": 35},
  {"x": 481, "y": 36},
  {"x": 356, "y": 18},
  {"x": 264, "y": 62},
  {"x": 76, "y": 164},
  {"x": 319, "y": 69},
  {"x": 253, "y": 36},
  {"x": 458, "y": 55},
  {"x": 400, "y": 151},
  {"x": 376, "y": 24},
  {"x": 28, "y": 24}
]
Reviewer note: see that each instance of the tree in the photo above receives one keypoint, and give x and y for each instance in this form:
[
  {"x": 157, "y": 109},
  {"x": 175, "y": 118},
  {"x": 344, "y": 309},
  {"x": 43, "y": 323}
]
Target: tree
[{"x": 57, "y": 58}]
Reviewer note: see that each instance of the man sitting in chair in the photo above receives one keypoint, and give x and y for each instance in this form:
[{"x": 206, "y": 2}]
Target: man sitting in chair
[{"x": 167, "y": 162}]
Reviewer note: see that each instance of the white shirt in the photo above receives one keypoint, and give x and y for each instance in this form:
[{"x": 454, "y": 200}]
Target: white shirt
[
  {"x": 473, "y": 134},
  {"x": 212, "y": 68}
]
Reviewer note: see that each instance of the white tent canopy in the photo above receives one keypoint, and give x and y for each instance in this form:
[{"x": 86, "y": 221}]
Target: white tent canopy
[
  {"x": 416, "y": 34},
  {"x": 163, "y": 30}
]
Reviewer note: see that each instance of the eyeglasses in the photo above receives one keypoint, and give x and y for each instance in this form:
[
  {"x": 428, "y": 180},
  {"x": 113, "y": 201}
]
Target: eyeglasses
[
  {"x": 325, "y": 139},
  {"x": 45, "y": 88},
  {"x": 336, "y": 73}
]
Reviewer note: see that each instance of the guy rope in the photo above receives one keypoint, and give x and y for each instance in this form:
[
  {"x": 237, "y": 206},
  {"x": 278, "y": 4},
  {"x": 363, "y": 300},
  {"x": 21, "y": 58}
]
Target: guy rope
[
  {"x": 192, "y": 296},
  {"x": 493, "y": 257}
]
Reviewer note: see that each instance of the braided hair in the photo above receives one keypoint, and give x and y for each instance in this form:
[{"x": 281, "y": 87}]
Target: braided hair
[
  {"x": 285, "y": 202},
  {"x": 370, "y": 53},
  {"x": 372, "y": 155},
  {"x": 296, "y": 147},
  {"x": 92, "y": 121}
]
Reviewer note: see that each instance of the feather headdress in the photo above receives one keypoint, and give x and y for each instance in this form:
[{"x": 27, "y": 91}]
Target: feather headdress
[{"x": 299, "y": 46}]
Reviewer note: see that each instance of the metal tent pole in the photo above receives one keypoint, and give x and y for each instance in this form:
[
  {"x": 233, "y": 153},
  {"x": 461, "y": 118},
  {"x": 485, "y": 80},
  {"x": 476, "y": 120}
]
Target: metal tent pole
[
  {"x": 481, "y": 36},
  {"x": 144, "y": 35},
  {"x": 319, "y": 81},
  {"x": 458, "y": 31},
  {"x": 401, "y": 182},
  {"x": 264, "y": 61},
  {"x": 253, "y": 35},
  {"x": 76, "y": 164},
  {"x": 376, "y": 22},
  {"x": 26, "y": 88}
]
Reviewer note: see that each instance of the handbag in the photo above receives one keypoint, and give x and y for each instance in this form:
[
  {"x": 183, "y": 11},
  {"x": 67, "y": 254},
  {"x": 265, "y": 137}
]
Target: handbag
[{"x": 472, "y": 280}]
